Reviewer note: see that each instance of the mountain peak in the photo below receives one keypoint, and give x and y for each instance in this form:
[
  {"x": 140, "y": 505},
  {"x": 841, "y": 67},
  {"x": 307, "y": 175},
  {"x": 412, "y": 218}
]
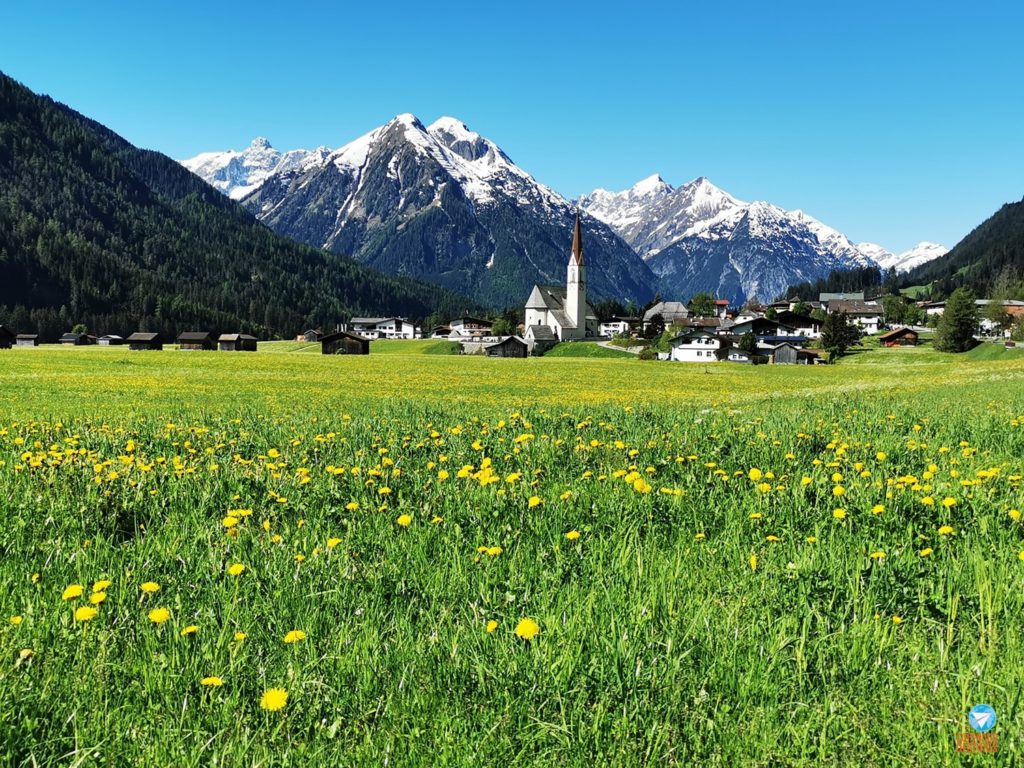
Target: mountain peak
[
  {"x": 260, "y": 142},
  {"x": 407, "y": 119},
  {"x": 652, "y": 184}
]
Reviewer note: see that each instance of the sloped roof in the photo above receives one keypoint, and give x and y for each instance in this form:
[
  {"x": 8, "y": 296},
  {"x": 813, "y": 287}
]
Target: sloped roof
[
  {"x": 897, "y": 333},
  {"x": 577, "y": 241},
  {"x": 144, "y": 336},
  {"x": 192, "y": 336},
  {"x": 236, "y": 337},
  {"x": 670, "y": 312},
  {"x": 540, "y": 333},
  {"x": 854, "y": 307}
]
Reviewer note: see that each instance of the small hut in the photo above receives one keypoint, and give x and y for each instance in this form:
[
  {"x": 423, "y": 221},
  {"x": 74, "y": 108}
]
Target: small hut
[
  {"x": 510, "y": 346},
  {"x": 27, "y": 340},
  {"x": 901, "y": 337},
  {"x": 110, "y": 340},
  {"x": 236, "y": 342},
  {"x": 75, "y": 339},
  {"x": 144, "y": 341},
  {"x": 342, "y": 343},
  {"x": 310, "y": 335},
  {"x": 7, "y": 337},
  {"x": 196, "y": 340}
]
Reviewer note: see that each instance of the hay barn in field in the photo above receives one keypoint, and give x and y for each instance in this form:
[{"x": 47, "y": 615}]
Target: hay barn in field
[{"x": 342, "y": 343}]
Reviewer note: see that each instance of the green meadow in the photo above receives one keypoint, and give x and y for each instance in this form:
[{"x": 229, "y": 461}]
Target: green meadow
[{"x": 415, "y": 558}]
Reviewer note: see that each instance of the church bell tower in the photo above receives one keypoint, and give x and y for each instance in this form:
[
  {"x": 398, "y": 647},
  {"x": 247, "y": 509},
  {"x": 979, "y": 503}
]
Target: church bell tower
[{"x": 576, "y": 284}]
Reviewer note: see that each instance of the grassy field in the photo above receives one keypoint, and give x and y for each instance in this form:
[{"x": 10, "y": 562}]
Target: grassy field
[
  {"x": 293, "y": 559},
  {"x": 586, "y": 349}
]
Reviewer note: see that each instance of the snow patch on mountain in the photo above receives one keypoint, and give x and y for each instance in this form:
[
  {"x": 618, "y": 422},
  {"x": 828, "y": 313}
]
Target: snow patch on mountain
[
  {"x": 238, "y": 173},
  {"x": 920, "y": 254}
]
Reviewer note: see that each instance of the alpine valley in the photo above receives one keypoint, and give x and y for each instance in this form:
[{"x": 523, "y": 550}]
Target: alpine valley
[{"x": 443, "y": 204}]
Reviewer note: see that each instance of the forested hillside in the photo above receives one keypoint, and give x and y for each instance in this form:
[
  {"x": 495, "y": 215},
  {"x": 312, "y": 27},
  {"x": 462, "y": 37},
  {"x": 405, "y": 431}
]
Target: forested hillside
[{"x": 98, "y": 232}]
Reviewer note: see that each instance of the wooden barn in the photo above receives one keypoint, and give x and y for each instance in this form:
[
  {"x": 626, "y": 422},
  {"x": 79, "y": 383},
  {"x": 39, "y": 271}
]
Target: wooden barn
[
  {"x": 27, "y": 340},
  {"x": 342, "y": 343},
  {"x": 311, "y": 334},
  {"x": 76, "y": 339},
  {"x": 236, "y": 342},
  {"x": 901, "y": 337},
  {"x": 511, "y": 346},
  {"x": 196, "y": 340},
  {"x": 7, "y": 337},
  {"x": 143, "y": 341},
  {"x": 789, "y": 354},
  {"x": 110, "y": 340}
]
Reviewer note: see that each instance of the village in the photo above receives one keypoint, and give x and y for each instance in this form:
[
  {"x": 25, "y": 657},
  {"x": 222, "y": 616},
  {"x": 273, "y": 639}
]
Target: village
[{"x": 703, "y": 330}]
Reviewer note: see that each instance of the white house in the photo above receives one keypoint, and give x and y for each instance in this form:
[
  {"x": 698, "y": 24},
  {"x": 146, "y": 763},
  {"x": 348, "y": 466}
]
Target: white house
[
  {"x": 562, "y": 313},
  {"x": 699, "y": 346},
  {"x": 618, "y": 325},
  {"x": 382, "y": 327},
  {"x": 867, "y": 315},
  {"x": 467, "y": 327}
]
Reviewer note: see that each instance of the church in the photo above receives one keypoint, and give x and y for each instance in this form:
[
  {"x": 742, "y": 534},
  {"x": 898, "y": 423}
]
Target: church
[{"x": 554, "y": 313}]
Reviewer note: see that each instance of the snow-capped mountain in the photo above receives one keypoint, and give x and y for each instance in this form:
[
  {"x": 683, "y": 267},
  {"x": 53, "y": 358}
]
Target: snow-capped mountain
[
  {"x": 700, "y": 238},
  {"x": 236, "y": 174},
  {"x": 921, "y": 253},
  {"x": 443, "y": 204}
]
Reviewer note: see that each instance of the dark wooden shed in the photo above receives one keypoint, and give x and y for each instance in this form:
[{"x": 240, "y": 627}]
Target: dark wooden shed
[
  {"x": 197, "y": 340},
  {"x": 311, "y": 334},
  {"x": 342, "y": 343},
  {"x": 27, "y": 340},
  {"x": 512, "y": 346},
  {"x": 7, "y": 337},
  {"x": 143, "y": 341},
  {"x": 236, "y": 342},
  {"x": 76, "y": 339},
  {"x": 901, "y": 337}
]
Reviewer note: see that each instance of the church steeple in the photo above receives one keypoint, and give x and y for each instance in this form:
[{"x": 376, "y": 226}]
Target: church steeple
[{"x": 576, "y": 256}]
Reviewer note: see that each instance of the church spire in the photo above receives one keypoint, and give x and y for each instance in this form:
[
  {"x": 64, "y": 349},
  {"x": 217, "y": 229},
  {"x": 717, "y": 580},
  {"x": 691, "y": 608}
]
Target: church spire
[{"x": 577, "y": 242}]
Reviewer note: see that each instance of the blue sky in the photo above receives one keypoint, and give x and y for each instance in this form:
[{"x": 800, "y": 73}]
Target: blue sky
[{"x": 892, "y": 121}]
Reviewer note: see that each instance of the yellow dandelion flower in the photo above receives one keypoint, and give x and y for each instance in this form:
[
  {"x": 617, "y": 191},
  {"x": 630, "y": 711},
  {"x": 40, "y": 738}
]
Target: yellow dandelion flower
[
  {"x": 494, "y": 551},
  {"x": 352, "y": 506},
  {"x": 97, "y": 597},
  {"x": 897, "y": 619},
  {"x": 572, "y": 535},
  {"x": 149, "y": 587},
  {"x": 756, "y": 515},
  {"x": 946, "y": 530},
  {"x": 73, "y": 591},
  {"x": 274, "y": 699},
  {"x": 805, "y": 480},
  {"x": 948, "y": 502},
  {"x": 16, "y": 620},
  {"x": 839, "y": 514},
  {"x": 85, "y": 613},
  {"x": 772, "y": 538},
  {"x": 527, "y": 629},
  {"x": 229, "y": 521},
  {"x": 25, "y": 654},
  {"x": 436, "y": 520},
  {"x": 159, "y": 615},
  {"x": 294, "y": 636},
  {"x": 212, "y": 682},
  {"x": 1015, "y": 515},
  {"x": 812, "y": 539},
  {"x": 699, "y": 537},
  {"x": 236, "y": 569},
  {"x": 925, "y": 552},
  {"x": 191, "y": 629},
  {"x": 753, "y": 562},
  {"x": 838, "y": 491},
  {"x": 101, "y": 585},
  {"x": 240, "y": 636},
  {"x": 1021, "y": 555},
  {"x": 928, "y": 501},
  {"x": 535, "y": 501},
  {"x": 333, "y": 542},
  {"x": 881, "y": 456},
  {"x": 755, "y": 474},
  {"x": 491, "y": 626},
  {"x": 404, "y": 520},
  {"x": 877, "y": 555},
  {"x": 878, "y": 509}
]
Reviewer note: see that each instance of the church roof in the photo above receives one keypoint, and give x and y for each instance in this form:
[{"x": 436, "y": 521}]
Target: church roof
[
  {"x": 577, "y": 242},
  {"x": 552, "y": 299},
  {"x": 540, "y": 333}
]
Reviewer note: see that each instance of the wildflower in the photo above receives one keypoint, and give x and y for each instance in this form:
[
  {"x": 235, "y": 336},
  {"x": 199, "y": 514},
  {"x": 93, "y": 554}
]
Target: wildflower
[
  {"x": 16, "y": 620},
  {"x": 274, "y": 699},
  {"x": 535, "y": 501},
  {"x": 925, "y": 552},
  {"x": 946, "y": 530},
  {"x": 404, "y": 520},
  {"x": 25, "y": 654},
  {"x": 97, "y": 597},
  {"x": 85, "y": 613},
  {"x": 240, "y": 636},
  {"x": 948, "y": 502},
  {"x": 756, "y": 515},
  {"x": 753, "y": 562},
  {"x": 805, "y": 480},
  {"x": 212, "y": 681},
  {"x": 772, "y": 538},
  {"x": 352, "y": 506},
  {"x": 149, "y": 587},
  {"x": 755, "y": 474},
  {"x": 878, "y": 509},
  {"x": 839, "y": 514},
  {"x": 897, "y": 619},
  {"x": 491, "y": 626},
  {"x": 881, "y": 456},
  {"x": 877, "y": 555},
  {"x": 101, "y": 585},
  {"x": 294, "y": 636},
  {"x": 73, "y": 591},
  {"x": 300, "y": 558},
  {"x": 572, "y": 535},
  {"x": 229, "y": 522},
  {"x": 494, "y": 551},
  {"x": 527, "y": 629},
  {"x": 812, "y": 539},
  {"x": 236, "y": 569},
  {"x": 1015, "y": 515},
  {"x": 159, "y": 615},
  {"x": 333, "y": 542},
  {"x": 699, "y": 537},
  {"x": 928, "y": 501},
  {"x": 436, "y": 520},
  {"x": 191, "y": 629},
  {"x": 838, "y": 491}
]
